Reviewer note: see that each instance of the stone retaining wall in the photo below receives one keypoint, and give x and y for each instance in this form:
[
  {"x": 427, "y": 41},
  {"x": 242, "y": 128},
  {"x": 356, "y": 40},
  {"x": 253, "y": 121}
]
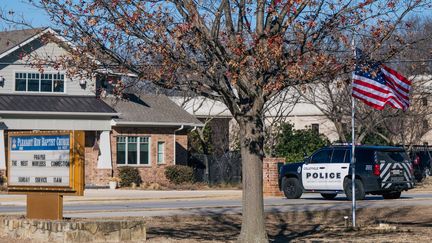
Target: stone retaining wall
[{"x": 74, "y": 230}]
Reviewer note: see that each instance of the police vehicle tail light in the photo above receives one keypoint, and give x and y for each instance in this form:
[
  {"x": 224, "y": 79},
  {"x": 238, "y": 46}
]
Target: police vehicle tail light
[
  {"x": 376, "y": 170},
  {"x": 416, "y": 160}
]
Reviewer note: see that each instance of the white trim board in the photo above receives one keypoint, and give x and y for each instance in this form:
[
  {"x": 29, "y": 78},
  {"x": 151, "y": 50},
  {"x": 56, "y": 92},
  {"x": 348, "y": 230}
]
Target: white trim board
[
  {"x": 162, "y": 124},
  {"x": 56, "y": 113}
]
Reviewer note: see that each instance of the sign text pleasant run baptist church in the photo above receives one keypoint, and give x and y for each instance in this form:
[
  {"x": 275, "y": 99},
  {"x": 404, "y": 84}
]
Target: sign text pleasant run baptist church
[
  {"x": 48, "y": 142},
  {"x": 40, "y": 160}
]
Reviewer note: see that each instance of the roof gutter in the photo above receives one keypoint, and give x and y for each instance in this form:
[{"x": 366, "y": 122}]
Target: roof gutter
[
  {"x": 175, "y": 143},
  {"x": 162, "y": 124},
  {"x": 59, "y": 113}
]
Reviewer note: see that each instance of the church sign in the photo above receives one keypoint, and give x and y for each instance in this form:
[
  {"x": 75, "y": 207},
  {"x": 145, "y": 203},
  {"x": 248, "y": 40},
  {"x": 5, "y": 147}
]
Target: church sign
[
  {"x": 40, "y": 161},
  {"x": 44, "y": 161}
]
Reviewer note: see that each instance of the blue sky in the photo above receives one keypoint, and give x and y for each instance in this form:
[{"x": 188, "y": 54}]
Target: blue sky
[{"x": 36, "y": 17}]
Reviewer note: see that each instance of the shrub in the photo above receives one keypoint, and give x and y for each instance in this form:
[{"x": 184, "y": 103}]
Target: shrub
[
  {"x": 293, "y": 144},
  {"x": 2, "y": 180},
  {"x": 179, "y": 174},
  {"x": 129, "y": 175}
]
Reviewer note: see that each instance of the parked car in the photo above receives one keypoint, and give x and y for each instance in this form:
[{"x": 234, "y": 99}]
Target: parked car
[
  {"x": 421, "y": 157},
  {"x": 380, "y": 170}
]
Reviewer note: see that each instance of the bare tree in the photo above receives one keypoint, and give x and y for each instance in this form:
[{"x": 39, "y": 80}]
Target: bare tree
[
  {"x": 277, "y": 112},
  {"x": 242, "y": 53},
  {"x": 332, "y": 97},
  {"x": 411, "y": 126}
]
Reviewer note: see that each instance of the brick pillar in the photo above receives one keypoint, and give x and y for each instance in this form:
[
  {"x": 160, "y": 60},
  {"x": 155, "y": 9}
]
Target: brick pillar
[{"x": 271, "y": 174}]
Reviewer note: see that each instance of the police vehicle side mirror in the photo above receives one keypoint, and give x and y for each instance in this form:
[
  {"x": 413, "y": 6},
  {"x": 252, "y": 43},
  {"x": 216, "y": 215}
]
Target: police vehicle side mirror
[{"x": 306, "y": 160}]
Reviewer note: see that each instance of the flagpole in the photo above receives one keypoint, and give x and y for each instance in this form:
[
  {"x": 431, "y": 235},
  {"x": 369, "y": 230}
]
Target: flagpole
[{"x": 353, "y": 149}]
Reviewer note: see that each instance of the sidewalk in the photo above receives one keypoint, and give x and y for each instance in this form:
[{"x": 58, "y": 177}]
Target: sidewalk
[{"x": 107, "y": 196}]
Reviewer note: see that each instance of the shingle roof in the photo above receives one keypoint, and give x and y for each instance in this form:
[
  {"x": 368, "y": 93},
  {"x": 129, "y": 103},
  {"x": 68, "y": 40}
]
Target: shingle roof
[
  {"x": 10, "y": 39},
  {"x": 52, "y": 103},
  {"x": 150, "y": 109}
]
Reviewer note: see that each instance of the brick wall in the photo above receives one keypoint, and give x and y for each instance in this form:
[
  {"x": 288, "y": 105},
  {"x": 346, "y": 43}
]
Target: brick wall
[
  {"x": 149, "y": 173},
  {"x": 271, "y": 174},
  {"x": 154, "y": 172},
  {"x": 94, "y": 176}
]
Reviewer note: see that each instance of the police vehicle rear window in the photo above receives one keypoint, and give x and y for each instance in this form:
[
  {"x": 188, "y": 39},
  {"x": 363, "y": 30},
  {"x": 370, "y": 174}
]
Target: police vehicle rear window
[
  {"x": 397, "y": 156},
  {"x": 364, "y": 156}
]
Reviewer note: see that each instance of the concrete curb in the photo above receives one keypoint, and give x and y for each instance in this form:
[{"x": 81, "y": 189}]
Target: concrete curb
[{"x": 21, "y": 202}]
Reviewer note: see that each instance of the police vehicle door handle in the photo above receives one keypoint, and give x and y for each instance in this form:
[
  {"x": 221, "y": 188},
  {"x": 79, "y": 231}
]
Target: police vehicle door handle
[
  {"x": 322, "y": 168},
  {"x": 344, "y": 167}
]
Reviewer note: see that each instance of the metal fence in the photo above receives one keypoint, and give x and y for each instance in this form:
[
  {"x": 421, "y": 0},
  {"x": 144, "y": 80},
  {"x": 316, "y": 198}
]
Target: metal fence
[{"x": 217, "y": 169}]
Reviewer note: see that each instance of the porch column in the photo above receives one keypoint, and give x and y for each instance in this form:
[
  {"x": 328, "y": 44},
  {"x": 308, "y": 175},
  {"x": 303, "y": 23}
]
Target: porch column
[
  {"x": 104, "y": 159},
  {"x": 2, "y": 151}
]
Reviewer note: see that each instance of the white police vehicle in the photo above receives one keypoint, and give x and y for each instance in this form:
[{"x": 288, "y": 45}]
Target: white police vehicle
[{"x": 380, "y": 170}]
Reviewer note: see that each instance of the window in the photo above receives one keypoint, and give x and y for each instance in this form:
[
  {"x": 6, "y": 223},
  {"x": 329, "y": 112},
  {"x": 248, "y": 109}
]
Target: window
[
  {"x": 338, "y": 156},
  {"x": 364, "y": 156},
  {"x": 161, "y": 153},
  {"x": 39, "y": 82},
  {"x": 315, "y": 127},
  {"x": 322, "y": 156},
  {"x": 144, "y": 151},
  {"x": 133, "y": 150},
  {"x": 397, "y": 156},
  {"x": 21, "y": 81}
]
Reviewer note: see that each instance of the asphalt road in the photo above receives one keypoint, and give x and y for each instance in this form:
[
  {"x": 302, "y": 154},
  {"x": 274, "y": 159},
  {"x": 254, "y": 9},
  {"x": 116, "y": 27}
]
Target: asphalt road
[{"x": 308, "y": 202}]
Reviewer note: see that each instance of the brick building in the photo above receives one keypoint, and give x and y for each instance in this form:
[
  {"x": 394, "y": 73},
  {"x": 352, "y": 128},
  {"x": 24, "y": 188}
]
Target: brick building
[{"x": 147, "y": 132}]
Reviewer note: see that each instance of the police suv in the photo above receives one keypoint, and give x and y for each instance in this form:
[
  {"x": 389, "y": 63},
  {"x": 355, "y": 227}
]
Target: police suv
[{"x": 380, "y": 170}]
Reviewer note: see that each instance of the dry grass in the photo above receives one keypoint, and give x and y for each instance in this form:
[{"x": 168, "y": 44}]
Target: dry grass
[
  {"x": 403, "y": 224},
  {"x": 406, "y": 224},
  {"x": 425, "y": 185}
]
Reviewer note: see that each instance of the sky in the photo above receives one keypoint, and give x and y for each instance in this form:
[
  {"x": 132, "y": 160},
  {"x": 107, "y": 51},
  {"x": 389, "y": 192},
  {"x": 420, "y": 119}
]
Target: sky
[{"x": 36, "y": 17}]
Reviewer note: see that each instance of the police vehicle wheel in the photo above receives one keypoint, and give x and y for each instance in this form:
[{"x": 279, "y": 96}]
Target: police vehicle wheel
[
  {"x": 391, "y": 195},
  {"x": 360, "y": 192},
  {"x": 329, "y": 196},
  {"x": 291, "y": 188}
]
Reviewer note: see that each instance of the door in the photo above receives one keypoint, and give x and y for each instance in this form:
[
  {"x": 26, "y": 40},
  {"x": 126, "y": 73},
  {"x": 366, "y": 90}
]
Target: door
[
  {"x": 314, "y": 172},
  {"x": 338, "y": 169}
]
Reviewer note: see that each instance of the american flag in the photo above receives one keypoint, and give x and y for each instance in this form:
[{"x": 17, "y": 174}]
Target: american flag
[{"x": 377, "y": 85}]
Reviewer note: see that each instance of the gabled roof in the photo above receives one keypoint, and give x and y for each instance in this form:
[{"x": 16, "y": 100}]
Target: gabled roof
[
  {"x": 202, "y": 107},
  {"x": 14, "y": 39},
  {"x": 146, "y": 110},
  {"x": 11, "y": 41},
  {"x": 14, "y": 104}
]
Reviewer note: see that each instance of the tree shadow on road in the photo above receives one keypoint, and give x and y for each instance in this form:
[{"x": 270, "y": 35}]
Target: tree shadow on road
[{"x": 282, "y": 226}]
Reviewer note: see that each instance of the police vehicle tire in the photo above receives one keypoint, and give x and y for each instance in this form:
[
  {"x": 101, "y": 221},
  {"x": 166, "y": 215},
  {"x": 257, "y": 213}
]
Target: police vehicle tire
[
  {"x": 291, "y": 188},
  {"x": 391, "y": 195},
  {"x": 329, "y": 196},
  {"x": 360, "y": 192}
]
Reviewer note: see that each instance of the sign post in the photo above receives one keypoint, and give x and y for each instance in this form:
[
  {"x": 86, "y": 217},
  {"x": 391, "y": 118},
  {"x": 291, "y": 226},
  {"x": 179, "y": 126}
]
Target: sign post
[{"x": 46, "y": 166}]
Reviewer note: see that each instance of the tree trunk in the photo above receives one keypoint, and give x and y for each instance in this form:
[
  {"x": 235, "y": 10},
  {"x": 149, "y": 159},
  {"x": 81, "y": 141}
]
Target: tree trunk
[
  {"x": 251, "y": 147},
  {"x": 340, "y": 131}
]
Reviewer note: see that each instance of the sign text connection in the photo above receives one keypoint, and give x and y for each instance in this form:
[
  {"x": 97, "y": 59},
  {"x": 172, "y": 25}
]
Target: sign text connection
[{"x": 39, "y": 160}]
